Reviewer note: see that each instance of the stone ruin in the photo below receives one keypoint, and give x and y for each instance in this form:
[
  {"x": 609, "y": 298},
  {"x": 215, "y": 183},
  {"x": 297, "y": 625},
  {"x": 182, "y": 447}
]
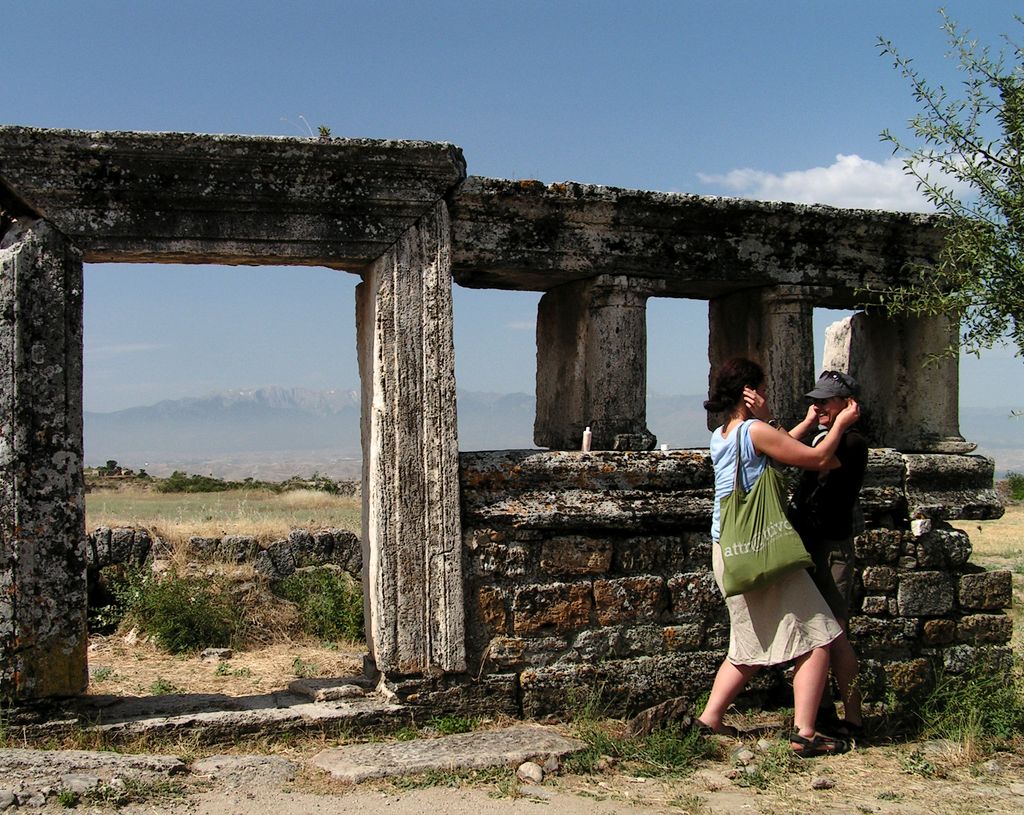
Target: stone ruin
[{"x": 506, "y": 580}]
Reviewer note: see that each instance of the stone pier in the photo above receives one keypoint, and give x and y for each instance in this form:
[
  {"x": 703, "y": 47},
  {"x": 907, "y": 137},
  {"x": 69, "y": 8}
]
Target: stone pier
[
  {"x": 413, "y": 575},
  {"x": 42, "y": 491},
  {"x": 592, "y": 364}
]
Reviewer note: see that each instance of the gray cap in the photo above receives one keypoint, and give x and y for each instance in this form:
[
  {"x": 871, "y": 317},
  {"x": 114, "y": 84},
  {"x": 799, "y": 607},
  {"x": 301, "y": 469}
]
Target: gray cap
[{"x": 834, "y": 383}]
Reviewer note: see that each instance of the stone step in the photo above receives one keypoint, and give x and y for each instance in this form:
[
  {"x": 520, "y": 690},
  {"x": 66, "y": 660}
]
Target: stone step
[
  {"x": 505, "y": 747},
  {"x": 215, "y": 718}
]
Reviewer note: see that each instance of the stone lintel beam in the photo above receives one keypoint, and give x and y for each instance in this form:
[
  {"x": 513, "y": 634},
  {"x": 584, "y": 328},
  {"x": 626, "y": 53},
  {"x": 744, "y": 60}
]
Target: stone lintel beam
[
  {"x": 253, "y": 200},
  {"x": 772, "y": 326},
  {"x": 530, "y": 236},
  {"x": 592, "y": 364},
  {"x": 603, "y": 470}
]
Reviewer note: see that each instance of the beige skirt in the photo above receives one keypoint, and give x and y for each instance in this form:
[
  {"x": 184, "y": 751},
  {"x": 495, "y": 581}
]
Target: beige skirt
[{"x": 778, "y": 623}]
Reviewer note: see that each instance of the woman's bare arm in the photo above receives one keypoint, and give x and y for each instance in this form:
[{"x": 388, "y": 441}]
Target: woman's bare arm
[
  {"x": 809, "y": 421},
  {"x": 787, "y": 450}
]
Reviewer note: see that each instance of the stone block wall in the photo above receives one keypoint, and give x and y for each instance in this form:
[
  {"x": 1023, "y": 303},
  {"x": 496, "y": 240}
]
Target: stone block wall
[
  {"x": 591, "y": 573},
  {"x": 277, "y": 560}
]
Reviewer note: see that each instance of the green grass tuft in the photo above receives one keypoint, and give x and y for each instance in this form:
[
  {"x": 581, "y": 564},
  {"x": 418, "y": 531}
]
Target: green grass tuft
[
  {"x": 983, "y": 708},
  {"x": 330, "y": 602},
  {"x": 668, "y": 751},
  {"x": 183, "y": 614}
]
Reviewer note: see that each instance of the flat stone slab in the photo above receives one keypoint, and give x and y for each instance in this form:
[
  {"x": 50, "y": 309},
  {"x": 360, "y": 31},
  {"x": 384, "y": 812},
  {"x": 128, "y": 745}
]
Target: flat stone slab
[
  {"x": 217, "y": 718},
  {"x": 29, "y": 777},
  {"x": 509, "y": 746},
  {"x": 241, "y": 771},
  {"x": 17, "y": 760}
]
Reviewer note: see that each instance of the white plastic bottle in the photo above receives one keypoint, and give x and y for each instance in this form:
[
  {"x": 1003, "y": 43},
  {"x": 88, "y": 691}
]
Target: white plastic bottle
[{"x": 587, "y": 438}]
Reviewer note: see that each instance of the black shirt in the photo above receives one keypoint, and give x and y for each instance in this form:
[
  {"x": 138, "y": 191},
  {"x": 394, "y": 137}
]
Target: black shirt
[{"x": 823, "y": 503}]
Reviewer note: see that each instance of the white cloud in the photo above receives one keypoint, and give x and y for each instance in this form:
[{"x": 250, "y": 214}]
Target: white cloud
[
  {"x": 521, "y": 325},
  {"x": 850, "y": 181},
  {"x": 116, "y": 350}
]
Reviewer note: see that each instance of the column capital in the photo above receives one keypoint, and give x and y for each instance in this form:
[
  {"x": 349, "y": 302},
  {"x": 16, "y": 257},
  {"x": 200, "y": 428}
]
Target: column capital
[{"x": 622, "y": 290}]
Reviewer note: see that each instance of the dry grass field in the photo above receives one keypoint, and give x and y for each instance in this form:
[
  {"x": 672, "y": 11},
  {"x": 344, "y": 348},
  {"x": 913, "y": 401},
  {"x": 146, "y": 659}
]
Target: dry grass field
[
  {"x": 259, "y": 513},
  {"x": 124, "y": 664}
]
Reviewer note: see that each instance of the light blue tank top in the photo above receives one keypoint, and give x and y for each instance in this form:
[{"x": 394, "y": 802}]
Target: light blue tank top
[{"x": 723, "y": 457}]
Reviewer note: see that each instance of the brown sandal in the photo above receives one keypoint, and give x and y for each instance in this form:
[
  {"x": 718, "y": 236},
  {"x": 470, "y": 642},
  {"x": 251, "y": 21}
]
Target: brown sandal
[
  {"x": 707, "y": 730},
  {"x": 819, "y": 745}
]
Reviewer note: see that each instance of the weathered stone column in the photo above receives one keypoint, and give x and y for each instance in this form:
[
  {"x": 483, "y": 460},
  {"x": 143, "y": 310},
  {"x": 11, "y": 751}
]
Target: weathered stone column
[
  {"x": 592, "y": 364},
  {"x": 412, "y": 527},
  {"x": 43, "y": 603},
  {"x": 774, "y": 328},
  {"x": 910, "y": 396}
]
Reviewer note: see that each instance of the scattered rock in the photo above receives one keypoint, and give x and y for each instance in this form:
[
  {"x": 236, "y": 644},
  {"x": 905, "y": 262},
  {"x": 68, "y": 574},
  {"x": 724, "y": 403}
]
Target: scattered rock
[
  {"x": 937, "y": 748},
  {"x": 31, "y": 798},
  {"x": 216, "y": 655},
  {"x": 994, "y": 766},
  {"x": 742, "y": 755},
  {"x": 605, "y": 764},
  {"x": 530, "y": 772},
  {"x": 678, "y": 710},
  {"x": 80, "y": 783},
  {"x": 822, "y": 783},
  {"x": 552, "y": 765}
]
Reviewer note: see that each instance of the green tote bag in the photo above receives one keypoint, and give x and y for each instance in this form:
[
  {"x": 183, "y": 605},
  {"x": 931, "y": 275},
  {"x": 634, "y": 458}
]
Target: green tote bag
[{"x": 758, "y": 543}]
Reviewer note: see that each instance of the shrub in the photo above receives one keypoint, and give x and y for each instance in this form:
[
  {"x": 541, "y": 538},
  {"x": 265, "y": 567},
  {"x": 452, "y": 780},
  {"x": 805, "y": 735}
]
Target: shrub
[
  {"x": 668, "y": 751},
  {"x": 1015, "y": 484},
  {"x": 112, "y": 593},
  {"x": 449, "y": 725},
  {"x": 330, "y": 602},
  {"x": 183, "y": 614},
  {"x": 180, "y": 482}
]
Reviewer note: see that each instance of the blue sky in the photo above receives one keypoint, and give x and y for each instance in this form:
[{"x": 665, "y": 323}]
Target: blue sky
[{"x": 777, "y": 101}]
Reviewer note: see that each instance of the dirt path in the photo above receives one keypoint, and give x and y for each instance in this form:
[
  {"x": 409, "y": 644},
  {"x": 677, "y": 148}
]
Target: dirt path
[{"x": 874, "y": 780}]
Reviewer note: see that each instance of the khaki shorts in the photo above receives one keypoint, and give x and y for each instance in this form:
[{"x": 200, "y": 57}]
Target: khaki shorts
[{"x": 833, "y": 574}]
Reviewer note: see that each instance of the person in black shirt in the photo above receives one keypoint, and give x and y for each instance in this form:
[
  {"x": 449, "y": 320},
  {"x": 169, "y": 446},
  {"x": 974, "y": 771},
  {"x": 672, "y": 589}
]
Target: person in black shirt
[{"x": 825, "y": 510}]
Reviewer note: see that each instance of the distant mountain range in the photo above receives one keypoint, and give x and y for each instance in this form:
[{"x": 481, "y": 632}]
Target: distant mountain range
[{"x": 273, "y": 433}]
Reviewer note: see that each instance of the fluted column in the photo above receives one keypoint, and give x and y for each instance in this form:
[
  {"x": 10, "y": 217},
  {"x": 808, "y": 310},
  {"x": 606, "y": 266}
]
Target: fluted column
[{"x": 412, "y": 527}]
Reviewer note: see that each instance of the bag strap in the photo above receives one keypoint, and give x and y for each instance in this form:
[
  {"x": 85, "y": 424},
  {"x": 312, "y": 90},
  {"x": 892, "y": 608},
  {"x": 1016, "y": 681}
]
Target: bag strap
[{"x": 737, "y": 482}]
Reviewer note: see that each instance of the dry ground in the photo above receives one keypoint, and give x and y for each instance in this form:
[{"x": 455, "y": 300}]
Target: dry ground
[{"x": 122, "y": 665}]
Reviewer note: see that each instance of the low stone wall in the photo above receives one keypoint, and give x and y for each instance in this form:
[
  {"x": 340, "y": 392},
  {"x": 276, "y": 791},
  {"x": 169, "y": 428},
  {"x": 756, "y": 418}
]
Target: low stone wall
[
  {"x": 592, "y": 573},
  {"x": 131, "y": 546}
]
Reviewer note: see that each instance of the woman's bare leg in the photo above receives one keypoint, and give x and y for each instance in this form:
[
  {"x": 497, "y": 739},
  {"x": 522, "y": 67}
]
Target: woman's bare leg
[
  {"x": 845, "y": 668},
  {"x": 729, "y": 681},
  {"x": 808, "y": 683}
]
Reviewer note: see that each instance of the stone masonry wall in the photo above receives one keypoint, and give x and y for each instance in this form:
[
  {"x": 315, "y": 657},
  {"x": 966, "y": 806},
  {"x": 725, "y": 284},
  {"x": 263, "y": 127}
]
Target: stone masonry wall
[
  {"x": 277, "y": 560},
  {"x": 592, "y": 572}
]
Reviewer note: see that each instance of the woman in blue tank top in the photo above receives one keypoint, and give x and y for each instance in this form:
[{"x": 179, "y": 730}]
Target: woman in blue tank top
[{"x": 787, "y": 621}]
